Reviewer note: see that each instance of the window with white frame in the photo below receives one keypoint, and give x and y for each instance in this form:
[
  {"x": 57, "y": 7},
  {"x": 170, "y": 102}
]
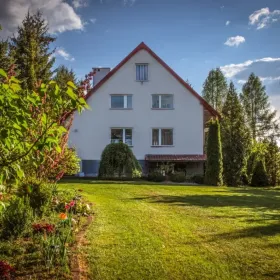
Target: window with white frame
[
  {"x": 162, "y": 101},
  {"x": 121, "y": 135},
  {"x": 121, "y": 101},
  {"x": 162, "y": 137},
  {"x": 142, "y": 72}
]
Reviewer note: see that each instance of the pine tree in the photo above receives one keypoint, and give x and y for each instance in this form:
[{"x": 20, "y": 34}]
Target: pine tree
[
  {"x": 5, "y": 59},
  {"x": 30, "y": 49},
  {"x": 235, "y": 138},
  {"x": 64, "y": 75},
  {"x": 214, "y": 164},
  {"x": 259, "y": 115},
  {"x": 215, "y": 89}
]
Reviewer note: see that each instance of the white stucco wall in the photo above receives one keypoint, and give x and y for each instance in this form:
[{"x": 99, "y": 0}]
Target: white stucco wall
[{"x": 91, "y": 130}]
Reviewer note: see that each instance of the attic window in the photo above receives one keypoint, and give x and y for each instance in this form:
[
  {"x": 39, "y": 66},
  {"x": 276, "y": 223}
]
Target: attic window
[{"x": 142, "y": 72}]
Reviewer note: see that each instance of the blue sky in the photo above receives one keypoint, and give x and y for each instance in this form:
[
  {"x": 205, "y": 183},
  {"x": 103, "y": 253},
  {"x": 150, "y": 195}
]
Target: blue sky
[{"x": 190, "y": 36}]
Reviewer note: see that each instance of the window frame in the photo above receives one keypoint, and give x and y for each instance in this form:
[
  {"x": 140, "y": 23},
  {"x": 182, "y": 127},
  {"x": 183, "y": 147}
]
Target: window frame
[
  {"x": 123, "y": 135},
  {"x": 125, "y": 96},
  {"x": 160, "y": 101},
  {"x": 141, "y": 64},
  {"x": 160, "y": 136}
]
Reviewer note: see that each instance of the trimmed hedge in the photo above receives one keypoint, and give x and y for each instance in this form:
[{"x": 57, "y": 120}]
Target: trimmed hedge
[
  {"x": 178, "y": 177},
  {"x": 156, "y": 177}
]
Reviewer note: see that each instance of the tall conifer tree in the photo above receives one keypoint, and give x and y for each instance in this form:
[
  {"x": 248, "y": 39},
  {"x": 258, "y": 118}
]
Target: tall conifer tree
[
  {"x": 235, "y": 138},
  {"x": 31, "y": 51}
]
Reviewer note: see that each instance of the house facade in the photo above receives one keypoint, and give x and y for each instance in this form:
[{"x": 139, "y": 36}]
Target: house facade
[{"x": 145, "y": 104}]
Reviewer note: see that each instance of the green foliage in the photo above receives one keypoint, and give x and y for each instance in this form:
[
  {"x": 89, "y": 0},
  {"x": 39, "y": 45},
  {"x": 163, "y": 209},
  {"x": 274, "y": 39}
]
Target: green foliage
[
  {"x": 118, "y": 160},
  {"x": 235, "y": 139},
  {"x": 64, "y": 75},
  {"x": 272, "y": 162},
  {"x": 32, "y": 123},
  {"x": 17, "y": 218},
  {"x": 38, "y": 194},
  {"x": 215, "y": 89},
  {"x": 5, "y": 59},
  {"x": 214, "y": 164},
  {"x": 259, "y": 178},
  {"x": 156, "y": 176},
  {"x": 261, "y": 119},
  {"x": 178, "y": 177},
  {"x": 30, "y": 49}
]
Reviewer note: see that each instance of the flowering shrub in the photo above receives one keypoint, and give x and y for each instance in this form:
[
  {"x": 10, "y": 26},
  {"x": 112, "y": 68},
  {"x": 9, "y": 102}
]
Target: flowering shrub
[
  {"x": 6, "y": 270},
  {"x": 43, "y": 228}
]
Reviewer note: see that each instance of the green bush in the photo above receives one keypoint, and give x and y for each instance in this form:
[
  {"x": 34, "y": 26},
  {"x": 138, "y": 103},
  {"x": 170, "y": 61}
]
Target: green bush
[
  {"x": 178, "y": 177},
  {"x": 118, "y": 160},
  {"x": 17, "y": 218},
  {"x": 197, "y": 179},
  {"x": 156, "y": 177},
  {"x": 259, "y": 178},
  {"x": 38, "y": 193}
]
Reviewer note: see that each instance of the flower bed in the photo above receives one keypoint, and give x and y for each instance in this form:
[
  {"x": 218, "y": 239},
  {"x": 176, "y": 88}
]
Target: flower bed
[{"x": 43, "y": 245}]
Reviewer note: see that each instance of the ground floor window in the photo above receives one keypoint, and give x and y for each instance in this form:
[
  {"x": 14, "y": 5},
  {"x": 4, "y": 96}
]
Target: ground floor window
[
  {"x": 162, "y": 137},
  {"x": 123, "y": 135}
]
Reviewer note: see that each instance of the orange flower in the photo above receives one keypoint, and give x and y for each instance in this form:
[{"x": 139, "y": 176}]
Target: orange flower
[{"x": 62, "y": 216}]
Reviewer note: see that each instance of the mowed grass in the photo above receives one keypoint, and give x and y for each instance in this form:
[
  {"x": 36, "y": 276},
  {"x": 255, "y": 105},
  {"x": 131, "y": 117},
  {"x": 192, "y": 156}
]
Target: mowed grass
[{"x": 145, "y": 231}]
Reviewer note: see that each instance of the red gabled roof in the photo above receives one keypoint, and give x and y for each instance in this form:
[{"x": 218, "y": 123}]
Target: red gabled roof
[
  {"x": 143, "y": 46},
  {"x": 178, "y": 158}
]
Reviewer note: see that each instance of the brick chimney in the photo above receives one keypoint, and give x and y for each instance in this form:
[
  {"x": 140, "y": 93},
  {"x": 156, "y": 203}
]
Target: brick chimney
[{"x": 101, "y": 72}]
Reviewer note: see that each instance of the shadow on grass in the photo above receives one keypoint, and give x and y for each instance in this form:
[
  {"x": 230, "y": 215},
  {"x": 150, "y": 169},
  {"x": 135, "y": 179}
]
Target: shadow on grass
[{"x": 245, "y": 201}]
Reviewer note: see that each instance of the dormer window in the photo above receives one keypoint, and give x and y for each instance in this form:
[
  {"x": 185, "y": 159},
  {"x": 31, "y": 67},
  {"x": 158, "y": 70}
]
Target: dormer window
[{"x": 142, "y": 72}]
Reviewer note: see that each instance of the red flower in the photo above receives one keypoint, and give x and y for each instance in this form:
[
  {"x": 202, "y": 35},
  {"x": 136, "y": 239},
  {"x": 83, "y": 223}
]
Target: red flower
[
  {"x": 5, "y": 270},
  {"x": 41, "y": 228}
]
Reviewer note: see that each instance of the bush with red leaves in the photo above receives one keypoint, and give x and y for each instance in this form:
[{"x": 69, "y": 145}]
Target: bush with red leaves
[
  {"x": 43, "y": 228},
  {"x": 6, "y": 270}
]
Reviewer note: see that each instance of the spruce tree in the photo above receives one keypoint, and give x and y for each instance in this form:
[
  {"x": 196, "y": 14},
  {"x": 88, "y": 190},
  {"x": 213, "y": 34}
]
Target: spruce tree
[
  {"x": 64, "y": 75},
  {"x": 30, "y": 48},
  {"x": 215, "y": 89},
  {"x": 214, "y": 164},
  {"x": 259, "y": 115},
  {"x": 235, "y": 138}
]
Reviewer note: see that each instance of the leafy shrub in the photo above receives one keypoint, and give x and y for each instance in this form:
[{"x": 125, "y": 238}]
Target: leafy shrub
[
  {"x": 118, "y": 160},
  {"x": 6, "y": 270},
  {"x": 178, "y": 177},
  {"x": 38, "y": 193},
  {"x": 156, "y": 177},
  {"x": 197, "y": 178},
  {"x": 259, "y": 178},
  {"x": 17, "y": 218}
]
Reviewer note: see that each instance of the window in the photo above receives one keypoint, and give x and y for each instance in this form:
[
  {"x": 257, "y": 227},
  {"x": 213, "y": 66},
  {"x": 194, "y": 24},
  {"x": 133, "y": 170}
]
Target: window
[
  {"x": 162, "y": 137},
  {"x": 141, "y": 72},
  {"x": 121, "y": 101},
  {"x": 123, "y": 135},
  {"x": 162, "y": 101}
]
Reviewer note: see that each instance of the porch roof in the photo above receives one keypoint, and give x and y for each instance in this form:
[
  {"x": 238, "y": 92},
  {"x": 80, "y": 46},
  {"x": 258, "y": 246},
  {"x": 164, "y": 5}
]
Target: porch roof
[{"x": 177, "y": 158}]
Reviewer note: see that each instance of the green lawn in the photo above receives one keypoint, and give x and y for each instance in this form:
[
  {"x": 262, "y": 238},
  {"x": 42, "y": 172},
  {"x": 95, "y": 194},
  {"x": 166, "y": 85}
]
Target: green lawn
[{"x": 182, "y": 232}]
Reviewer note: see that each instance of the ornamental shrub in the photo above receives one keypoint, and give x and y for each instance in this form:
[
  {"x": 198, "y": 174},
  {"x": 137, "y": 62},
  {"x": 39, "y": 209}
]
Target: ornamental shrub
[
  {"x": 117, "y": 160},
  {"x": 38, "y": 193},
  {"x": 156, "y": 176},
  {"x": 214, "y": 164},
  {"x": 17, "y": 218},
  {"x": 197, "y": 178},
  {"x": 178, "y": 177},
  {"x": 259, "y": 178}
]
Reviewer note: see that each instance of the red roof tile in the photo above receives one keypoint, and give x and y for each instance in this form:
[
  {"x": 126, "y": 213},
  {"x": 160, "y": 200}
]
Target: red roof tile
[
  {"x": 181, "y": 158},
  {"x": 143, "y": 46}
]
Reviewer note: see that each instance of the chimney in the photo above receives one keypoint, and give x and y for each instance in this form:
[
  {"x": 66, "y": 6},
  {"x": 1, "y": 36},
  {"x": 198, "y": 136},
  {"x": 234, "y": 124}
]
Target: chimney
[{"x": 101, "y": 72}]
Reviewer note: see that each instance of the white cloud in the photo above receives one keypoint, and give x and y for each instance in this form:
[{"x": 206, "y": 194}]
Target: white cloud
[
  {"x": 79, "y": 3},
  {"x": 269, "y": 79},
  {"x": 129, "y": 2},
  {"x": 59, "y": 15},
  {"x": 235, "y": 41},
  {"x": 232, "y": 70},
  {"x": 264, "y": 17},
  {"x": 61, "y": 52},
  {"x": 93, "y": 20},
  {"x": 227, "y": 23}
]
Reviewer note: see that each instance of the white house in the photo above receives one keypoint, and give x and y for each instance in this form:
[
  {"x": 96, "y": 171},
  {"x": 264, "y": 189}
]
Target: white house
[{"x": 145, "y": 104}]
